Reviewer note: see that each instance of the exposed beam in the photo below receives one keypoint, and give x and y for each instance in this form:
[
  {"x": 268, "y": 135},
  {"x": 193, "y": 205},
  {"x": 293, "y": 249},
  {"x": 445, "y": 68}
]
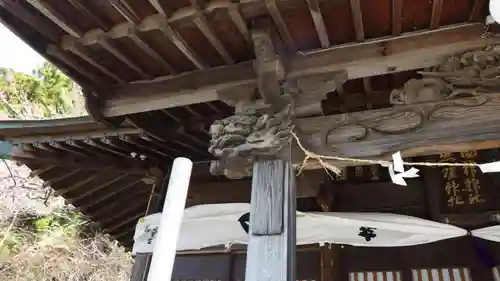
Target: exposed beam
[
  {"x": 406, "y": 52},
  {"x": 376, "y": 57},
  {"x": 134, "y": 35},
  {"x": 84, "y": 206},
  {"x": 56, "y": 17},
  {"x": 160, "y": 7},
  {"x": 98, "y": 37},
  {"x": 124, "y": 8},
  {"x": 71, "y": 45},
  {"x": 39, "y": 24},
  {"x": 39, "y": 172},
  {"x": 44, "y": 137},
  {"x": 357, "y": 18},
  {"x": 138, "y": 206},
  {"x": 285, "y": 34},
  {"x": 437, "y": 7},
  {"x": 89, "y": 13},
  {"x": 51, "y": 181},
  {"x": 56, "y": 52},
  {"x": 237, "y": 18},
  {"x": 397, "y": 14},
  {"x": 94, "y": 189},
  {"x": 68, "y": 161},
  {"x": 319, "y": 23},
  {"x": 175, "y": 37},
  {"x": 76, "y": 185},
  {"x": 67, "y": 148},
  {"x": 194, "y": 87},
  {"x": 201, "y": 22}
]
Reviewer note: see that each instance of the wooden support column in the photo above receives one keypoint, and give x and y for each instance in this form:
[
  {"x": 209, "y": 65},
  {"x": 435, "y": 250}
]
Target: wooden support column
[
  {"x": 141, "y": 261},
  {"x": 271, "y": 247},
  {"x": 267, "y": 155}
]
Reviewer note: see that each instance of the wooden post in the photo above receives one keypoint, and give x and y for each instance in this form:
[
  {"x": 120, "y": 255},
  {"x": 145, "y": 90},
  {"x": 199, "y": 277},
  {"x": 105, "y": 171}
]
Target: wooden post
[{"x": 271, "y": 247}]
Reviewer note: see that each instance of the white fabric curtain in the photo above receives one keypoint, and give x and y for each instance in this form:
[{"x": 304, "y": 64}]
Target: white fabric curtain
[
  {"x": 217, "y": 224},
  {"x": 491, "y": 233}
]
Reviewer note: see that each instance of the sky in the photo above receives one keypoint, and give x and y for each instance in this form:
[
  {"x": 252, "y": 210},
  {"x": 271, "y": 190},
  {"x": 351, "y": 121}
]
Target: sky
[{"x": 15, "y": 54}]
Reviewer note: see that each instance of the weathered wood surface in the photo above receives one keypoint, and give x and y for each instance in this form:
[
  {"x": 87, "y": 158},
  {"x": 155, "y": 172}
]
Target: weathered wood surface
[
  {"x": 411, "y": 51},
  {"x": 269, "y": 68},
  {"x": 419, "y": 129},
  {"x": 269, "y": 255}
]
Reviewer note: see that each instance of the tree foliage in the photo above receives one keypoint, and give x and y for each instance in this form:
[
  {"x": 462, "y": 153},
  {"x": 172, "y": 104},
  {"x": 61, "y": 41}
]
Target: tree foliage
[{"x": 46, "y": 93}]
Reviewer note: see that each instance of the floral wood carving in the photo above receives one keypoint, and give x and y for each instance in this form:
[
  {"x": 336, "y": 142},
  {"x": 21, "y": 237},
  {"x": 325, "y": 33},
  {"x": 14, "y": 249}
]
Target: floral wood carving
[
  {"x": 239, "y": 138},
  {"x": 464, "y": 75}
]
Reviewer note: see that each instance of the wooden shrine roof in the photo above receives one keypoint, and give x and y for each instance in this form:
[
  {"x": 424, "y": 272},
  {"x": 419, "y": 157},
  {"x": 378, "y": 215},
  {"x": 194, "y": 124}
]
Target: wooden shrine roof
[
  {"x": 142, "y": 55},
  {"x": 162, "y": 64}
]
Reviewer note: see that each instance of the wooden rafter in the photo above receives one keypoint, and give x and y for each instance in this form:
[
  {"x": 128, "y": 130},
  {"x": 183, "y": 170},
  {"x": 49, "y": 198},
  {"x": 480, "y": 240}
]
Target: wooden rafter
[
  {"x": 415, "y": 51},
  {"x": 41, "y": 171},
  {"x": 56, "y": 52},
  {"x": 105, "y": 148},
  {"x": 80, "y": 6},
  {"x": 139, "y": 204},
  {"x": 175, "y": 37},
  {"x": 397, "y": 14},
  {"x": 37, "y": 23},
  {"x": 136, "y": 38},
  {"x": 109, "y": 46},
  {"x": 285, "y": 34},
  {"x": 94, "y": 189},
  {"x": 360, "y": 36},
  {"x": 71, "y": 45},
  {"x": 76, "y": 185},
  {"x": 437, "y": 7},
  {"x": 56, "y": 17},
  {"x": 319, "y": 23},
  {"x": 123, "y": 222},
  {"x": 87, "y": 204},
  {"x": 66, "y": 148},
  {"x": 237, "y": 18},
  {"x": 160, "y": 7},
  {"x": 124, "y": 8},
  {"x": 357, "y": 19},
  {"x": 201, "y": 22},
  {"x": 61, "y": 177}
]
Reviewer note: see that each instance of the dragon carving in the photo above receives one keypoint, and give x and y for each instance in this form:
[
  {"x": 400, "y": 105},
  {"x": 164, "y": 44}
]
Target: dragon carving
[
  {"x": 465, "y": 75},
  {"x": 252, "y": 132}
]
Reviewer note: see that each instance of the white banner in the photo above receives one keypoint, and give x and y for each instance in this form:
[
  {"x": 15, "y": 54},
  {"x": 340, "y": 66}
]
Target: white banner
[
  {"x": 219, "y": 224},
  {"x": 491, "y": 233}
]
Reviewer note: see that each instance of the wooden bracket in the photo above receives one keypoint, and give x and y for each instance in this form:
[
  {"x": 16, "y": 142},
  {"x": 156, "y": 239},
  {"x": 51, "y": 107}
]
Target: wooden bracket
[
  {"x": 93, "y": 106},
  {"x": 268, "y": 65}
]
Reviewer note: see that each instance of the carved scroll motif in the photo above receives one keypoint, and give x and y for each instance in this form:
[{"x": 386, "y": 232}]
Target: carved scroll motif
[
  {"x": 471, "y": 75},
  {"x": 237, "y": 139}
]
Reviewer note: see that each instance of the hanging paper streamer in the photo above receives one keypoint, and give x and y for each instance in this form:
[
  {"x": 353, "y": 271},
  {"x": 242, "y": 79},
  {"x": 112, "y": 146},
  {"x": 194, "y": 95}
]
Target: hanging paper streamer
[
  {"x": 492, "y": 167},
  {"x": 397, "y": 166}
]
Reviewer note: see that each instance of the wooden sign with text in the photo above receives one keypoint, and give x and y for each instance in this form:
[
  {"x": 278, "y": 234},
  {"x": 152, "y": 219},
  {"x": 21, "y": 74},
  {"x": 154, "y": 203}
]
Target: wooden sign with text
[{"x": 462, "y": 189}]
